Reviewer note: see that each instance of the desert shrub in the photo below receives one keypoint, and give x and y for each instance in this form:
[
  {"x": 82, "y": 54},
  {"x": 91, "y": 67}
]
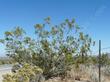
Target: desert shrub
[
  {"x": 16, "y": 67},
  {"x": 27, "y": 73},
  {"x": 105, "y": 59},
  {"x": 6, "y": 60},
  {"x": 52, "y": 49}
]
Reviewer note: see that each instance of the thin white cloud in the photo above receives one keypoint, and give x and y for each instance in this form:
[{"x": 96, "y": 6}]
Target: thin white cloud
[
  {"x": 98, "y": 13},
  {"x": 100, "y": 10}
]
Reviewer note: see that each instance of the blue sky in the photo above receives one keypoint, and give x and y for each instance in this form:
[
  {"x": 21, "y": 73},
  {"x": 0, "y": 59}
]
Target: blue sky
[{"x": 92, "y": 15}]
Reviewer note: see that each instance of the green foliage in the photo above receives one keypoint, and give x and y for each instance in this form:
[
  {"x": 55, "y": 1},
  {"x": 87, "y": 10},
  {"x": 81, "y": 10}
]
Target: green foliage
[
  {"x": 105, "y": 59},
  {"x": 27, "y": 73},
  {"x": 94, "y": 59},
  {"x": 6, "y": 60},
  {"x": 52, "y": 50}
]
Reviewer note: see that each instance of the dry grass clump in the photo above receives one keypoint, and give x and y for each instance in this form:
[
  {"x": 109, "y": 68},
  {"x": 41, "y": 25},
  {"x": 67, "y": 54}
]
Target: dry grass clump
[{"x": 84, "y": 73}]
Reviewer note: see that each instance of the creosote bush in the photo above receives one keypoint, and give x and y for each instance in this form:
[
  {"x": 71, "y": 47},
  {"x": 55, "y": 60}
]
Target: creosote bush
[{"x": 53, "y": 49}]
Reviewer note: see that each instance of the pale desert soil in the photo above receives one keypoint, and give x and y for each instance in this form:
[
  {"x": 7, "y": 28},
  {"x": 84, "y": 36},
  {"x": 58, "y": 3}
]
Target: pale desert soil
[{"x": 4, "y": 70}]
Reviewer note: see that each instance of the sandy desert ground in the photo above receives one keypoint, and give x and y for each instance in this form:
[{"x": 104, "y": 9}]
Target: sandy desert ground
[{"x": 3, "y": 70}]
